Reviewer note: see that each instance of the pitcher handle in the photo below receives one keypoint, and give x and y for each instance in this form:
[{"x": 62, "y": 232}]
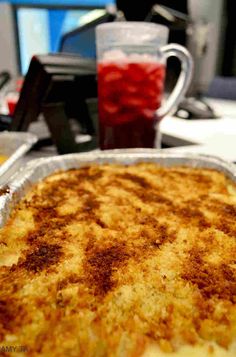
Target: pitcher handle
[{"x": 183, "y": 81}]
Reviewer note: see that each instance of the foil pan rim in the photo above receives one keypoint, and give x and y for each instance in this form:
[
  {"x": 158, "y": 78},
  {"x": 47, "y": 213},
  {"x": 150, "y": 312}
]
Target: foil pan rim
[
  {"x": 27, "y": 141},
  {"x": 37, "y": 169}
]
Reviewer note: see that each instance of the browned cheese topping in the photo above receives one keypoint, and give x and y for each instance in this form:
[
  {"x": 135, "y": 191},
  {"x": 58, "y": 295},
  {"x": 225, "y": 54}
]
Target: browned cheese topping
[{"x": 104, "y": 260}]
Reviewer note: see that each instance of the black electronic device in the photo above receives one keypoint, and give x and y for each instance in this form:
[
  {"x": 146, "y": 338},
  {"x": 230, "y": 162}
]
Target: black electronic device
[
  {"x": 5, "y": 122},
  {"x": 82, "y": 41},
  {"x": 4, "y": 78},
  {"x": 195, "y": 108},
  {"x": 57, "y": 86}
]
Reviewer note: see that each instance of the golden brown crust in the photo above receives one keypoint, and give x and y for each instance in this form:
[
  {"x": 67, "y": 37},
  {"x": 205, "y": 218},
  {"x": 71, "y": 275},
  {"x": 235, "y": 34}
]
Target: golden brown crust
[{"x": 112, "y": 258}]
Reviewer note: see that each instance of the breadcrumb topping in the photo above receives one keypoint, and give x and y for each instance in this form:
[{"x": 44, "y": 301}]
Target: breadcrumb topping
[{"x": 107, "y": 260}]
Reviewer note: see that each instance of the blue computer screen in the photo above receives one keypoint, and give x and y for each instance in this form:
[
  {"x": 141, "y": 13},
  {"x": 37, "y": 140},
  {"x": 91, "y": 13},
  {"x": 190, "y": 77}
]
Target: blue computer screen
[
  {"x": 41, "y": 28},
  {"x": 93, "y": 3},
  {"x": 82, "y": 44},
  {"x": 82, "y": 40}
]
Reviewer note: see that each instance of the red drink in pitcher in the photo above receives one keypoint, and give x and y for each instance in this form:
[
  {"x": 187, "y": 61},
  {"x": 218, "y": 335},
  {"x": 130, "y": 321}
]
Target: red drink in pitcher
[
  {"x": 129, "y": 94},
  {"x": 131, "y": 72}
]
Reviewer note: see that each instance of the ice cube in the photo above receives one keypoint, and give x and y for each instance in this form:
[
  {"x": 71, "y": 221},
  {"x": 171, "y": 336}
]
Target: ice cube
[
  {"x": 114, "y": 55},
  {"x": 119, "y": 55},
  {"x": 140, "y": 58}
]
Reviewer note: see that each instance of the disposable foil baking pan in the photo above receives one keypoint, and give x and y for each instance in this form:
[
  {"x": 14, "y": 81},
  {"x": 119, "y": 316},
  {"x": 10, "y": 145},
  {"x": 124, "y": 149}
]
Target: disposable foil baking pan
[
  {"x": 36, "y": 170},
  {"x": 14, "y": 145}
]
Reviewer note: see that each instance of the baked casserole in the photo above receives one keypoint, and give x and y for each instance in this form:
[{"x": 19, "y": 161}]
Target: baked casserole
[
  {"x": 121, "y": 261},
  {"x": 2, "y": 159}
]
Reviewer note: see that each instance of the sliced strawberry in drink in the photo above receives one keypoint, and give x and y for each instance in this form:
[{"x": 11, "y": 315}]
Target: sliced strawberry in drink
[
  {"x": 158, "y": 74},
  {"x": 105, "y": 68},
  {"x": 151, "y": 67},
  {"x": 148, "y": 113},
  {"x": 110, "y": 93},
  {"x": 129, "y": 95},
  {"x": 125, "y": 117},
  {"x": 155, "y": 103},
  {"x": 116, "y": 66},
  {"x": 159, "y": 85},
  {"x": 132, "y": 101},
  {"x": 131, "y": 88},
  {"x": 110, "y": 108},
  {"x": 112, "y": 76},
  {"x": 136, "y": 72},
  {"x": 103, "y": 91},
  {"x": 150, "y": 92},
  {"x": 158, "y": 70}
]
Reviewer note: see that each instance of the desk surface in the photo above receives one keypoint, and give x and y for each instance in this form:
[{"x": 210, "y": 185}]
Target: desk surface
[
  {"x": 208, "y": 136},
  {"x": 212, "y": 136}
]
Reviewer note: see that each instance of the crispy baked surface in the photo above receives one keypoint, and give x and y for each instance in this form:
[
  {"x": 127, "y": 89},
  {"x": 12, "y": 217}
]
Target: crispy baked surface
[
  {"x": 2, "y": 159},
  {"x": 121, "y": 261}
]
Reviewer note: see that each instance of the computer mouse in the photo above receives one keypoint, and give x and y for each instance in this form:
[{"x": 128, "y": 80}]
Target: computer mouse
[{"x": 195, "y": 108}]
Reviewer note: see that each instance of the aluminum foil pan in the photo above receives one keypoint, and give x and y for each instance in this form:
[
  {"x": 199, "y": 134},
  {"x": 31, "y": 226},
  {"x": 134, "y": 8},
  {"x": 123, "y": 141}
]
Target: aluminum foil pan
[
  {"x": 36, "y": 170},
  {"x": 14, "y": 145}
]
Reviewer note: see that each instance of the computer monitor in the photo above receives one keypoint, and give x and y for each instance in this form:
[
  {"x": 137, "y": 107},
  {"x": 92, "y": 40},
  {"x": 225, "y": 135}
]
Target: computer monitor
[
  {"x": 40, "y": 29},
  {"x": 36, "y": 27},
  {"x": 81, "y": 41}
]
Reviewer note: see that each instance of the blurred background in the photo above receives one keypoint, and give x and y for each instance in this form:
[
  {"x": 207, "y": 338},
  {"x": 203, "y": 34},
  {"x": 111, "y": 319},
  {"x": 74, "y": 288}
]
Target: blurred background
[
  {"x": 37, "y": 27},
  {"x": 28, "y": 29},
  {"x": 206, "y": 27}
]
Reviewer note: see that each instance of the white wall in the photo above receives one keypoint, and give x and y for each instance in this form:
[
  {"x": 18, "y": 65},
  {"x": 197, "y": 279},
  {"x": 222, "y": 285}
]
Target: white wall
[{"x": 8, "y": 52}]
